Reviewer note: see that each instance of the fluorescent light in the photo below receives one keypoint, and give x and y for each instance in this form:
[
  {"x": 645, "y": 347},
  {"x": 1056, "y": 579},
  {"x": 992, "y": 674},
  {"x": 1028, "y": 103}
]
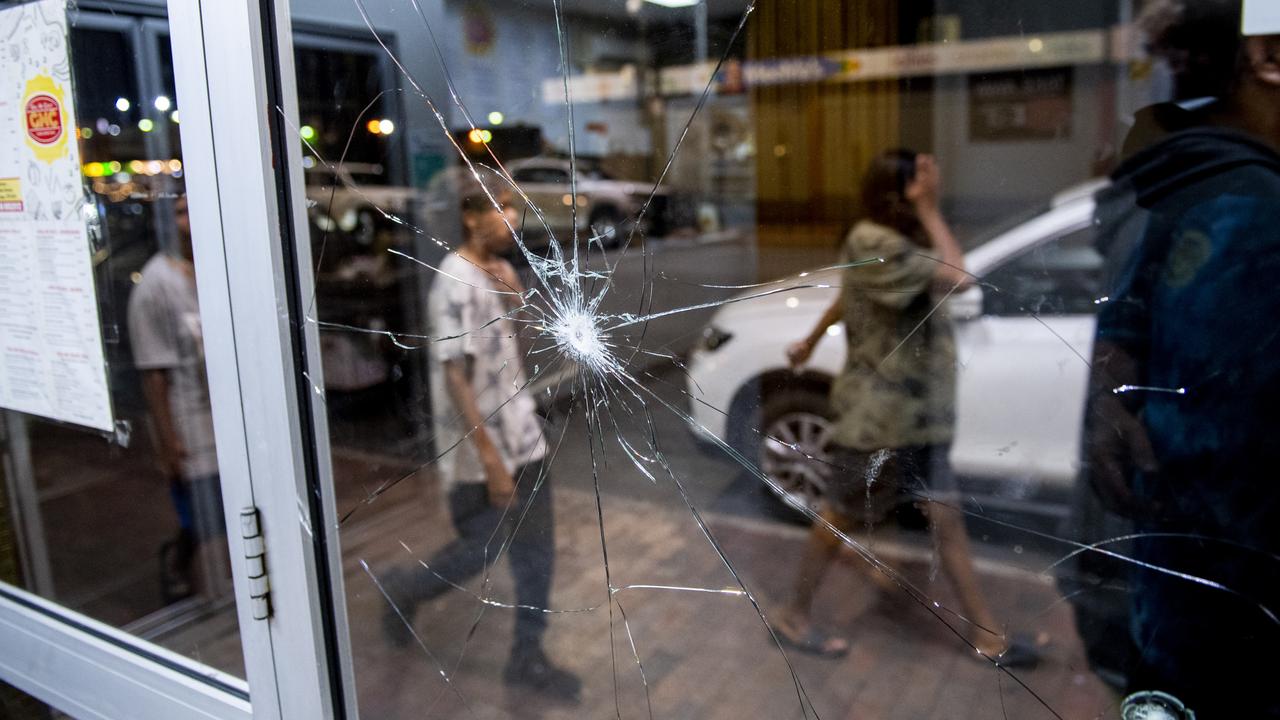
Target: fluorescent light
[
  {"x": 674, "y": 3},
  {"x": 1261, "y": 17}
]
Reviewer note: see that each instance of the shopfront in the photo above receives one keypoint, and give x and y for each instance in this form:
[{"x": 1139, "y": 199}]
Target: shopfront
[{"x": 543, "y": 359}]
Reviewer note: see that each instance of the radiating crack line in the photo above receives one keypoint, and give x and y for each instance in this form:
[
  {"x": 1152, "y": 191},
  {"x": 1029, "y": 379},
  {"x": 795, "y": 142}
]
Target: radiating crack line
[{"x": 448, "y": 679}]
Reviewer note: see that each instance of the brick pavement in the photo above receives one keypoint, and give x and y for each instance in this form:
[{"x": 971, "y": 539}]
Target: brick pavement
[{"x": 705, "y": 656}]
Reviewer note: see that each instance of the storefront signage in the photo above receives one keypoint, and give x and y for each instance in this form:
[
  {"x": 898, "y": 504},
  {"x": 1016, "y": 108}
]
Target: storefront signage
[
  {"x": 788, "y": 71},
  {"x": 593, "y": 87},
  {"x": 1016, "y": 106},
  {"x": 944, "y": 58},
  {"x": 51, "y": 355}
]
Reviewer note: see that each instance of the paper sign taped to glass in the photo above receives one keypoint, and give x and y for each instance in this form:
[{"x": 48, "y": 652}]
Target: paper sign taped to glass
[{"x": 52, "y": 362}]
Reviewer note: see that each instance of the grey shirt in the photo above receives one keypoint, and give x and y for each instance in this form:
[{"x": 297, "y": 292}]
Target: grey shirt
[{"x": 164, "y": 328}]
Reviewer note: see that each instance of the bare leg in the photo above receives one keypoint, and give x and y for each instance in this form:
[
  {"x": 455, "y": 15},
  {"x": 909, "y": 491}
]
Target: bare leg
[
  {"x": 885, "y": 532},
  {"x": 820, "y": 549},
  {"x": 822, "y": 546},
  {"x": 952, "y": 541}
]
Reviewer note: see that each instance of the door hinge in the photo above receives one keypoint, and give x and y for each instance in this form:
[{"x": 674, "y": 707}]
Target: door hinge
[{"x": 255, "y": 562}]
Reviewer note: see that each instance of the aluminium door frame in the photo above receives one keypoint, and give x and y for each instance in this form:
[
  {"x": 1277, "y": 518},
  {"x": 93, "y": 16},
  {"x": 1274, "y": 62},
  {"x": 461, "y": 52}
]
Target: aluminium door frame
[{"x": 245, "y": 191}]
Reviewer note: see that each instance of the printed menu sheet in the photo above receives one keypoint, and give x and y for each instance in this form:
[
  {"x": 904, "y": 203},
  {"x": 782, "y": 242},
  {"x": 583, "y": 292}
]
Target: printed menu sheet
[{"x": 51, "y": 356}]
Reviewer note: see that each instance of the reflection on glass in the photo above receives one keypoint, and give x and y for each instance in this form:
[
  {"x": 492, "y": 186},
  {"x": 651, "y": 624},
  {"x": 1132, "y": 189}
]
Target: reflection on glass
[
  {"x": 563, "y": 256},
  {"x": 128, "y": 528},
  {"x": 1184, "y": 387}
]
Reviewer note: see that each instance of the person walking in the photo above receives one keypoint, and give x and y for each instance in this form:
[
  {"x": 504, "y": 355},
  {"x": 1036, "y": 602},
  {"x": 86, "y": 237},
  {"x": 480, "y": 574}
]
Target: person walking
[
  {"x": 895, "y": 396},
  {"x": 492, "y": 449}
]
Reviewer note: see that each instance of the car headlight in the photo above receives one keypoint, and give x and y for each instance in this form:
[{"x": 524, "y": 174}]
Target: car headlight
[{"x": 713, "y": 337}]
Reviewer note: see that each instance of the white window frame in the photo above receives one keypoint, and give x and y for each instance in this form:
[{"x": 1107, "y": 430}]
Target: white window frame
[{"x": 90, "y": 670}]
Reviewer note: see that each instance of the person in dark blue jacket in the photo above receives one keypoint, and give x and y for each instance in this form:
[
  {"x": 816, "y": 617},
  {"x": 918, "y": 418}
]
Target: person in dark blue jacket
[{"x": 1185, "y": 387}]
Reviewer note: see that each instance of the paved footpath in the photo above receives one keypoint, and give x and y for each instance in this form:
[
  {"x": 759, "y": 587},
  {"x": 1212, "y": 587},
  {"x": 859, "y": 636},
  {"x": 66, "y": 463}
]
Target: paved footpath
[{"x": 705, "y": 655}]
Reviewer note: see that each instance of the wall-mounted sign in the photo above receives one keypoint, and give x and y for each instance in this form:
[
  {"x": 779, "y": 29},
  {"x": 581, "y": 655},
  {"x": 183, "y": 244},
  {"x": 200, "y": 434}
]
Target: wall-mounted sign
[
  {"x": 1050, "y": 50},
  {"x": 621, "y": 84},
  {"x": 478, "y": 29},
  {"x": 51, "y": 358},
  {"x": 1014, "y": 106}
]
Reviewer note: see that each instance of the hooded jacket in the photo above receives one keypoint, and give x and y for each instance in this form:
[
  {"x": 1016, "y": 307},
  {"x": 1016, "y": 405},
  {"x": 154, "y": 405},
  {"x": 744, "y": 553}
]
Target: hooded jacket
[{"x": 1190, "y": 228}]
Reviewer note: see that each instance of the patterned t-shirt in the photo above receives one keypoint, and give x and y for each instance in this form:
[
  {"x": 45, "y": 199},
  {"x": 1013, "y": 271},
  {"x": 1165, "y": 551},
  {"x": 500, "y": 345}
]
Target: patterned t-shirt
[
  {"x": 897, "y": 387},
  {"x": 469, "y": 314}
]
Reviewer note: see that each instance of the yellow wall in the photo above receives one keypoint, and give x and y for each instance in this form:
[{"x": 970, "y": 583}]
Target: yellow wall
[{"x": 813, "y": 140}]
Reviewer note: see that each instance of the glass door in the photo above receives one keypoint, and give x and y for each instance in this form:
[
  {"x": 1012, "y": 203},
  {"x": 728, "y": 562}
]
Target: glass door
[
  {"x": 161, "y": 555},
  {"x": 114, "y": 505}
]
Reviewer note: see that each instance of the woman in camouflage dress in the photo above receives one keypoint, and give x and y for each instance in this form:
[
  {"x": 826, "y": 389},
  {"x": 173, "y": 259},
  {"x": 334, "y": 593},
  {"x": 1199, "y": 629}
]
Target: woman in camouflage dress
[{"x": 895, "y": 396}]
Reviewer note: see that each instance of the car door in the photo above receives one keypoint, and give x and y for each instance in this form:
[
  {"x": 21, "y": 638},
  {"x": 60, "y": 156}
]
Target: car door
[{"x": 1024, "y": 361}]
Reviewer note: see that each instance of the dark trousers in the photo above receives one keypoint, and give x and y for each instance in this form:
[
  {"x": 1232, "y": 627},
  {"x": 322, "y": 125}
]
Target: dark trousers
[{"x": 531, "y": 552}]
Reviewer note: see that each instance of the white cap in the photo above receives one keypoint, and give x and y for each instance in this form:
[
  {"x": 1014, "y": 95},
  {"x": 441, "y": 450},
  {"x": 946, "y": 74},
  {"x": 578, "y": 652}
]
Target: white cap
[{"x": 1261, "y": 17}]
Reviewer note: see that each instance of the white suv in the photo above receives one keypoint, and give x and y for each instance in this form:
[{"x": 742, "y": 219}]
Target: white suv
[{"x": 1023, "y": 334}]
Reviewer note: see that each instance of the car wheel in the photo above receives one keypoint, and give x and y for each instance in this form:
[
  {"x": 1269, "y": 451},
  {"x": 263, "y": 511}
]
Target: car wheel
[
  {"x": 609, "y": 225},
  {"x": 796, "y": 447}
]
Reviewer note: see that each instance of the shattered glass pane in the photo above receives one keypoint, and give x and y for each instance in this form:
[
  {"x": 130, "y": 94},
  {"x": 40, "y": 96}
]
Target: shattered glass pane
[{"x": 794, "y": 359}]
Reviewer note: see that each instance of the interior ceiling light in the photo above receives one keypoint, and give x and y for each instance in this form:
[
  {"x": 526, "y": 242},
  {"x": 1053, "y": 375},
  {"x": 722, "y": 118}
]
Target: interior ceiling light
[
  {"x": 1261, "y": 17},
  {"x": 674, "y": 3}
]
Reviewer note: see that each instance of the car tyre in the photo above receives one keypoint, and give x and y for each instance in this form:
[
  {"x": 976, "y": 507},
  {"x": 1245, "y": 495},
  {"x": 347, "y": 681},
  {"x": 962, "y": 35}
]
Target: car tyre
[
  {"x": 609, "y": 224},
  {"x": 795, "y": 447}
]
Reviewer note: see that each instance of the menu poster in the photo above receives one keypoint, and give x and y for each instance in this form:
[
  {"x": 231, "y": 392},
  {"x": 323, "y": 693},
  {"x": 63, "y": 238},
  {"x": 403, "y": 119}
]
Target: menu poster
[{"x": 51, "y": 358}]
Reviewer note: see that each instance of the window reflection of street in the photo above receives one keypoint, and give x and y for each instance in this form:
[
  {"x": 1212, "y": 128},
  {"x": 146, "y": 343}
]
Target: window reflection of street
[{"x": 644, "y": 525}]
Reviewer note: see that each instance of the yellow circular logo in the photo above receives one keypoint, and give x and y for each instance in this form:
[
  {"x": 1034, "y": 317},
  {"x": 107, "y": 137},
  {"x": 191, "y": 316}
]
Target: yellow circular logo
[{"x": 44, "y": 118}]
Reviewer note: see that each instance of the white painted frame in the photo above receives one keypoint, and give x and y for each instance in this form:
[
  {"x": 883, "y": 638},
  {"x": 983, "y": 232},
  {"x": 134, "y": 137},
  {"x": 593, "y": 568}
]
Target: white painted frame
[
  {"x": 240, "y": 262},
  {"x": 91, "y": 670}
]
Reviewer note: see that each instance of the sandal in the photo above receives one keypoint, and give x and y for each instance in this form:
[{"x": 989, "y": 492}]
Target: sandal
[
  {"x": 814, "y": 642},
  {"x": 1021, "y": 653}
]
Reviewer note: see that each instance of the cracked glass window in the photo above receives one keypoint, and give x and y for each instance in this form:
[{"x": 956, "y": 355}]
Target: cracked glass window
[{"x": 719, "y": 358}]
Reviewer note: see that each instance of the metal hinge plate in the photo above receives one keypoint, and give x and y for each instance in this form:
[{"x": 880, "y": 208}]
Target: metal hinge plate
[{"x": 255, "y": 562}]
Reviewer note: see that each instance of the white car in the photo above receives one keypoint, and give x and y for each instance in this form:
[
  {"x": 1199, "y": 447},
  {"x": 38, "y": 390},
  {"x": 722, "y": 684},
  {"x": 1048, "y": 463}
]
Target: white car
[
  {"x": 1023, "y": 335},
  {"x": 352, "y": 197}
]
